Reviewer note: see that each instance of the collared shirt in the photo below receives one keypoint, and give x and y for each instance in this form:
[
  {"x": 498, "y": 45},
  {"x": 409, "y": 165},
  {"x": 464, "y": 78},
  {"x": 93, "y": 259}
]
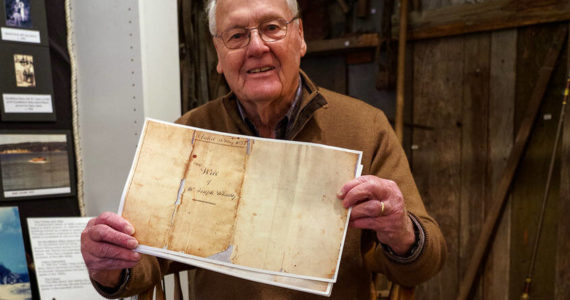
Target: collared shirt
[{"x": 283, "y": 128}]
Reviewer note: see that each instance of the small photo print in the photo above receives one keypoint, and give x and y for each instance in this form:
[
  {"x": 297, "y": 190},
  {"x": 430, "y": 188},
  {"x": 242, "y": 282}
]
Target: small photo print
[
  {"x": 34, "y": 165},
  {"x": 24, "y": 66},
  {"x": 18, "y": 13},
  {"x": 14, "y": 277}
]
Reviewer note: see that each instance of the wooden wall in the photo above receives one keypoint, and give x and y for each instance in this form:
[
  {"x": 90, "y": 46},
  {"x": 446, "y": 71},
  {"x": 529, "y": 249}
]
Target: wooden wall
[
  {"x": 472, "y": 89},
  {"x": 466, "y": 95}
]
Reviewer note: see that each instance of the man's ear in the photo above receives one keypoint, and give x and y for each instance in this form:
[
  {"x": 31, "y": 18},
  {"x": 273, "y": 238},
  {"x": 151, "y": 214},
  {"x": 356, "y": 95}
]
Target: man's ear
[{"x": 302, "y": 36}]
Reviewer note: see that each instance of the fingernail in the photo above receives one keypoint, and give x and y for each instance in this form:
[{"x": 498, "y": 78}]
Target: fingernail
[
  {"x": 339, "y": 194},
  {"x": 132, "y": 244},
  {"x": 130, "y": 229}
]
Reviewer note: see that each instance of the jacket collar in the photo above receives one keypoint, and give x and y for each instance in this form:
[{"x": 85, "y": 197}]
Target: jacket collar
[{"x": 311, "y": 101}]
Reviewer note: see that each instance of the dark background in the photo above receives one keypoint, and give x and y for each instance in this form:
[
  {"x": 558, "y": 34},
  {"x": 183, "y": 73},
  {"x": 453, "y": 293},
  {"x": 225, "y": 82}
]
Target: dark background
[{"x": 56, "y": 42}]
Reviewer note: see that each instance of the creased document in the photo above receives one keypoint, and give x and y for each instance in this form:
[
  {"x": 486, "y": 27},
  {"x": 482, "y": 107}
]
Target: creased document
[{"x": 261, "y": 205}]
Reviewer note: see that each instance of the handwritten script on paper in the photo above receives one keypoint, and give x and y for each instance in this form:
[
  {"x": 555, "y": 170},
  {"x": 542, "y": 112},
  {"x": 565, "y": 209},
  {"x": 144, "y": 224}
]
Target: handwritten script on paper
[{"x": 262, "y": 204}]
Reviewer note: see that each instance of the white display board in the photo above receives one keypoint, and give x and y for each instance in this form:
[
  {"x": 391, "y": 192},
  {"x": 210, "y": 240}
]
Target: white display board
[
  {"x": 126, "y": 58},
  {"x": 60, "y": 271}
]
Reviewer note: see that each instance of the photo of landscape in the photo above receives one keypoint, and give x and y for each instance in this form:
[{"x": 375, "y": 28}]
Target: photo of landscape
[
  {"x": 34, "y": 164},
  {"x": 14, "y": 277}
]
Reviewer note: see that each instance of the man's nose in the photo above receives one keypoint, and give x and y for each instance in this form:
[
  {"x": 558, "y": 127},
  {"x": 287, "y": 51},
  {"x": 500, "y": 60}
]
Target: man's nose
[{"x": 256, "y": 43}]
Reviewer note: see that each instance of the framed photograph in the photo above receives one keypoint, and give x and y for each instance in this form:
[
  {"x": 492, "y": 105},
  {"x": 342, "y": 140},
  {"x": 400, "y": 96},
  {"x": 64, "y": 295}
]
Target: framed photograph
[
  {"x": 24, "y": 70},
  {"x": 35, "y": 165},
  {"x": 14, "y": 274},
  {"x": 26, "y": 87},
  {"x": 23, "y": 21},
  {"x": 18, "y": 13}
]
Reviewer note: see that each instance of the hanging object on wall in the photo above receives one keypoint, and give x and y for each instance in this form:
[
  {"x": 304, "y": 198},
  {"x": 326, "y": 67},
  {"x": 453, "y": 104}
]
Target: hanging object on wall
[
  {"x": 385, "y": 53},
  {"x": 25, "y": 70},
  {"x": 528, "y": 279},
  {"x": 23, "y": 21},
  {"x": 35, "y": 164}
]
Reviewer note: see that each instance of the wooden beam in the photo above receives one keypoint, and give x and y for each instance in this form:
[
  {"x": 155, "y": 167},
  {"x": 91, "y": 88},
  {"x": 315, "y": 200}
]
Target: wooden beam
[
  {"x": 357, "y": 42},
  {"x": 362, "y": 8},
  {"x": 485, "y": 16},
  {"x": 343, "y": 6},
  {"x": 501, "y": 190},
  {"x": 399, "y": 126}
]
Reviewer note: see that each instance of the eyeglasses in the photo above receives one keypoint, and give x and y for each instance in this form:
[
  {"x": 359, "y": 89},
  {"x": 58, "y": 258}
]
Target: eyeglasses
[{"x": 269, "y": 31}]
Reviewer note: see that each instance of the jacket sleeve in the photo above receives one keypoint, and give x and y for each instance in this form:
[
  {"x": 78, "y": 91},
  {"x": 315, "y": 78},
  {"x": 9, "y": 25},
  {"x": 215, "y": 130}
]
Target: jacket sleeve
[
  {"x": 389, "y": 162},
  {"x": 142, "y": 278}
]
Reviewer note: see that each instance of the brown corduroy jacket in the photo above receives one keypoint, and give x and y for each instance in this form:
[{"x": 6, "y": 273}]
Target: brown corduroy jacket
[{"x": 333, "y": 119}]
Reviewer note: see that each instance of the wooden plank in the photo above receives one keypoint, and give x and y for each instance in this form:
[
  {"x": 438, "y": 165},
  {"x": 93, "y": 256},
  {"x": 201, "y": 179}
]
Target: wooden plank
[
  {"x": 501, "y": 134},
  {"x": 409, "y": 127},
  {"x": 351, "y": 43},
  {"x": 529, "y": 188},
  {"x": 327, "y": 71},
  {"x": 362, "y": 8},
  {"x": 437, "y": 90},
  {"x": 562, "y": 283},
  {"x": 474, "y": 145},
  {"x": 485, "y": 16},
  {"x": 399, "y": 124},
  {"x": 430, "y": 4},
  {"x": 203, "y": 86},
  {"x": 343, "y": 6},
  {"x": 500, "y": 193}
]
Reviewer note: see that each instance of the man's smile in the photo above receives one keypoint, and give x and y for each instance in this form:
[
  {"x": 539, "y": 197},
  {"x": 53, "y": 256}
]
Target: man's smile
[{"x": 259, "y": 70}]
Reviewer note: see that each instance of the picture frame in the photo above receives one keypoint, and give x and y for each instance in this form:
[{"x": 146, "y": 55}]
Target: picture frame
[
  {"x": 26, "y": 86},
  {"x": 36, "y": 164},
  {"x": 15, "y": 283},
  {"x": 23, "y": 21},
  {"x": 17, "y": 13}
]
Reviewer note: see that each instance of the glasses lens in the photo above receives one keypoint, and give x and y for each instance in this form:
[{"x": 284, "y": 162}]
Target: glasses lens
[
  {"x": 235, "y": 37},
  {"x": 273, "y": 30}
]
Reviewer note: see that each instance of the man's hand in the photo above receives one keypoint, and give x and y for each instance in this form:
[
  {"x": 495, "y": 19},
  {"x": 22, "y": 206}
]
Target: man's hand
[
  {"x": 378, "y": 204},
  {"x": 107, "y": 248}
]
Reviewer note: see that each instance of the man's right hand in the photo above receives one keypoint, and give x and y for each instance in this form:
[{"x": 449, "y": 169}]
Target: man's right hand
[{"x": 107, "y": 247}]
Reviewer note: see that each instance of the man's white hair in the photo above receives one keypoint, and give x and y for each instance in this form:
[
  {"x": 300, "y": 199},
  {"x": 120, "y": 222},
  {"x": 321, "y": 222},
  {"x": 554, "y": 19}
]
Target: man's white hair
[{"x": 211, "y": 12}]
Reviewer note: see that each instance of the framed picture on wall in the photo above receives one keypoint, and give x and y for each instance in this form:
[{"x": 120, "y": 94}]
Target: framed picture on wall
[
  {"x": 26, "y": 87},
  {"x": 14, "y": 275},
  {"x": 24, "y": 21},
  {"x": 36, "y": 164},
  {"x": 18, "y": 13}
]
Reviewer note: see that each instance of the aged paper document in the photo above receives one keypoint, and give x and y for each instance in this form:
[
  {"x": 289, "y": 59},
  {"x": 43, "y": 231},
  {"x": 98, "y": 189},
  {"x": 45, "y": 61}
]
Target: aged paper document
[{"x": 240, "y": 202}]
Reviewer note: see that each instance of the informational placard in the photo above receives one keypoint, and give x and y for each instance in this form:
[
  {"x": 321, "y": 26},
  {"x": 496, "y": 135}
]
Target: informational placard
[
  {"x": 15, "y": 103},
  {"x": 60, "y": 270},
  {"x": 21, "y": 35}
]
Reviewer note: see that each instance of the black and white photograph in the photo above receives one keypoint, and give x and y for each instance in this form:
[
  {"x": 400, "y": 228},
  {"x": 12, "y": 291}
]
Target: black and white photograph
[
  {"x": 24, "y": 70},
  {"x": 26, "y": 85},
  {"x": 34, "y": 165},
  {"x": 14, "y": 276},
  {"x": 18, "y": 13}
]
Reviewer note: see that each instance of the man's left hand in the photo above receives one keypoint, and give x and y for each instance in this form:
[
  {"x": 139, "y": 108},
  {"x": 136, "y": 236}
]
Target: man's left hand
[{"x": 378, "y": 204}]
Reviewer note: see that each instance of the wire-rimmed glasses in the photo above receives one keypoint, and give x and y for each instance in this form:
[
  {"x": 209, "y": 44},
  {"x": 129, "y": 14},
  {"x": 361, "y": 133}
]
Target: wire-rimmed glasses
[{"x": 269, "y": 31}]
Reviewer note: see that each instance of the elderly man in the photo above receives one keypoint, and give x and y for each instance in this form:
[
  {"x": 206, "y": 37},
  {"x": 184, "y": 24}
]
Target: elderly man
[{"x": 259, "y": 45}]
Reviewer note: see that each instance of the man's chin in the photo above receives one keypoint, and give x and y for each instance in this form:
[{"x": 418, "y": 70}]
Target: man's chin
[{"x": 262, "y": 95}]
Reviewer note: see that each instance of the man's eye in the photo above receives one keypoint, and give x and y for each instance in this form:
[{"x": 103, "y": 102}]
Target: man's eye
[
  {"x": 236, "y": 36},
  {"x": 271, "y": 28}
]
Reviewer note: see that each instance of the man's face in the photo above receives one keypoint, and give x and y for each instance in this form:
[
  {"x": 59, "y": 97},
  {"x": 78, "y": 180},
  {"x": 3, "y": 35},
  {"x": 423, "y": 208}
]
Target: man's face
[{"x": 262, "y": 71}]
